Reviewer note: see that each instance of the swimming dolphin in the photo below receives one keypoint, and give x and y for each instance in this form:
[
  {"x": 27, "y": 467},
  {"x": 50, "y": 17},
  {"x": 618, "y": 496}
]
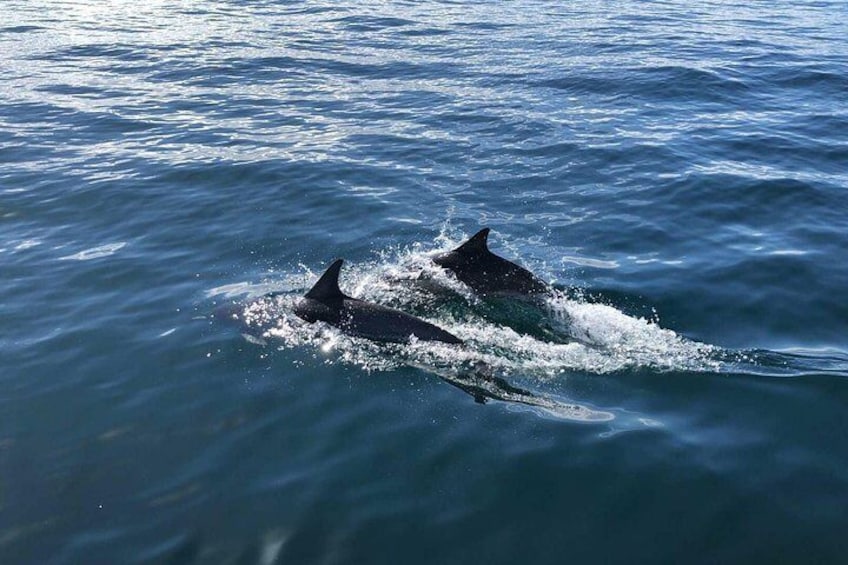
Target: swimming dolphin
[
  {"x": 482, "y": 384},
  {"x": 485, "y": 272},
  {"x": 327, "y": 303}
]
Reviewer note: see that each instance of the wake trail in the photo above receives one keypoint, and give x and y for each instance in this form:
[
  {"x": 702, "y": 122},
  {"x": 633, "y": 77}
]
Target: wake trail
[{"x": 540, "y": 341}]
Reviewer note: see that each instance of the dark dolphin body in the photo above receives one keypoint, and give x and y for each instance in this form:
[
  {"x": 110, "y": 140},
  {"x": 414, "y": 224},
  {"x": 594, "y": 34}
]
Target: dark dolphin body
[
  {"x": 325, "y": 302},
  {"x": 485, "y": 272}
]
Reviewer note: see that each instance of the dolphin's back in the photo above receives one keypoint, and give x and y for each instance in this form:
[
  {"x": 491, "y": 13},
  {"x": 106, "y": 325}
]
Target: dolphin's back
[
  {"x": 487, "y": 273},
  {"x": 380, "y": 323},
  {"x": 325, "y": 302}
]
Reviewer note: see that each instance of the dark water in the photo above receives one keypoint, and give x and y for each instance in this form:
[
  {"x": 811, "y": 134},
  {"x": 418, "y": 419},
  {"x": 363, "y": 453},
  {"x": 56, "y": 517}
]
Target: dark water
[{"x": 678, "y": 170}]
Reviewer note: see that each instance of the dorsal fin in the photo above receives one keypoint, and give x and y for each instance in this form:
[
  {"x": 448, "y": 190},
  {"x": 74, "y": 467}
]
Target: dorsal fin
[
  {"x": 477, "y": 243},
  {"x": 328, "y": 285}
]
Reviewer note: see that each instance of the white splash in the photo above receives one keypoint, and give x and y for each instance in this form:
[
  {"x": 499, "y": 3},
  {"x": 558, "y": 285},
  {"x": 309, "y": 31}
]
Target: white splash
[{"x": 596, "y": 338}]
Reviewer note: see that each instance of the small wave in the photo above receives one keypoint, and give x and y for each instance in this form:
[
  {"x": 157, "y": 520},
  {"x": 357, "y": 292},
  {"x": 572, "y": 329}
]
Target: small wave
[
  {"x": 27, "y": 244},
  {"x": 665, "y": 83},
  {"x": 95, "y": 252},
  {"x": 20, "y": 29},
  {"x": 793, "y": 362}
]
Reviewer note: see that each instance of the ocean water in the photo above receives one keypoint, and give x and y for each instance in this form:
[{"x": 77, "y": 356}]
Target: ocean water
[{"x": 678, "y": 171}]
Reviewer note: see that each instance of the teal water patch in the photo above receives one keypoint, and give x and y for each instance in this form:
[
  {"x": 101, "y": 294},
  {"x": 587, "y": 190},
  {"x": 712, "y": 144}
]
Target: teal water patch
[{"x": 677, "y": 171}]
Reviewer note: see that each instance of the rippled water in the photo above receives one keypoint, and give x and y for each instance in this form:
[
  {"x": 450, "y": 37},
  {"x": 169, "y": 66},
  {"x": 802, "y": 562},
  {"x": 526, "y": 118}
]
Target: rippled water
[{"x": 677, "y": 171}]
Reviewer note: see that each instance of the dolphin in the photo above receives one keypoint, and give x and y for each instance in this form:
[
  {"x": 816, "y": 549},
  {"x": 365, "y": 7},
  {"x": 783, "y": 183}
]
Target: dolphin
[
  {"x": 482, "y": 384},
  {"x": 486, "y": 273},
  {"x": 325, "y": 302}
]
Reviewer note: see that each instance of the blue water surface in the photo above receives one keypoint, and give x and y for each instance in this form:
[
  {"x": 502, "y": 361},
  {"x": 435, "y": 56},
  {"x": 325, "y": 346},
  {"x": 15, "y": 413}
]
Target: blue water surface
[{"x": 677, "y": 170}]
